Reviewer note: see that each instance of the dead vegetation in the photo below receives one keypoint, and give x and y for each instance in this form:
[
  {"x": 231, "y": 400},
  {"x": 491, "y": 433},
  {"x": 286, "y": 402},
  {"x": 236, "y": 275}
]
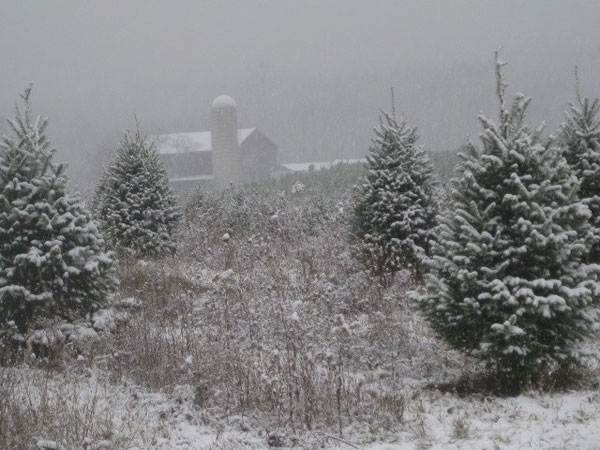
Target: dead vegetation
[
  {"x": 276, "y": 317},
  {"x": 265, "y": 320}
]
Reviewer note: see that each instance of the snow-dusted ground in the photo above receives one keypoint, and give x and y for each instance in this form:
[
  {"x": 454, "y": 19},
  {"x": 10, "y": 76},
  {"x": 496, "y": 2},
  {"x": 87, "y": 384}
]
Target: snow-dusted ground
[
  {"x": 133, "y": 418},
  {"x": 259, "y": 329}
]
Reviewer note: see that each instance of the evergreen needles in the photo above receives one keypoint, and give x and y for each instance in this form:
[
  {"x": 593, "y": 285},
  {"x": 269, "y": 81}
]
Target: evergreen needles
[
  {"x": 52, "y": 258},
  {"x": 137, "y": 209},
  {"x": 509, "y": 282},
  {"x": 395, "y": 208}
]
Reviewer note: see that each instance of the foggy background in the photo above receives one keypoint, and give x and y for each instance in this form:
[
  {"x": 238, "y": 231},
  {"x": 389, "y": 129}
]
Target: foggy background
[{"x": 312, "y": 75}]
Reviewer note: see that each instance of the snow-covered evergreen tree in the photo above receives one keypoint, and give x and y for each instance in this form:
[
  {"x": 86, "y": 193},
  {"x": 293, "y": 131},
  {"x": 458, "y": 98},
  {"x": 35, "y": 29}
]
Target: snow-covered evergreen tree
[
  {"x": 508, "y": 282},
  {"x": 580, "y": 139},
  {"x": 52, "y": 258},
  {"x": 137, "y": 209},
  {"x": 395, "y": 208}
]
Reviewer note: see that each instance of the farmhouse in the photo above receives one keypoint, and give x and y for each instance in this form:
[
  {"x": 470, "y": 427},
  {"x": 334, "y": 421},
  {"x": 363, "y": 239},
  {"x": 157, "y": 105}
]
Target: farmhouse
[{"x": 220, "y": 157}]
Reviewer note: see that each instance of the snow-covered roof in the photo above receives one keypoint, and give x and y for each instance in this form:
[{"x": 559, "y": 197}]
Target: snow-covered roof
[
  {"x": 191, "y": 142},
  {"x": 303, "y": 167},
  {"x": 192, "y": 178}
]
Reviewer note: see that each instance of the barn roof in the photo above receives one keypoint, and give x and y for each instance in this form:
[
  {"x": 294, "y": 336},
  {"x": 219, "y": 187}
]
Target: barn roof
[
  {"x": 191, "y": 178},
  {"x": 191, "y": 142}
]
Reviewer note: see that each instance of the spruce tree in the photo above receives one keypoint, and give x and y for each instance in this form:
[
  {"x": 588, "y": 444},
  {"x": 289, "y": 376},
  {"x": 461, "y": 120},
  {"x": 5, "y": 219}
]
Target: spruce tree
[
  {"x": 137, "y": 209},
  {"x": 52, "y": 258},
  {"x": 395, "y": 208},
  {"x": 508, "y": 282},
  {"x": 580, "y": 139}
]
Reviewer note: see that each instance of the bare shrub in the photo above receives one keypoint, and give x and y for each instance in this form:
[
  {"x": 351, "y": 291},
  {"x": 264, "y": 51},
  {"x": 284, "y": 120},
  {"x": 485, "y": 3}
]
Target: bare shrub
[{"x": 264, "y": 311}]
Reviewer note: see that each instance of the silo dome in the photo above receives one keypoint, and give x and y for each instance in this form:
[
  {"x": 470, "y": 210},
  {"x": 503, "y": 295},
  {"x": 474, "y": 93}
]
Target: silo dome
[{"x": 223, "y": 101}]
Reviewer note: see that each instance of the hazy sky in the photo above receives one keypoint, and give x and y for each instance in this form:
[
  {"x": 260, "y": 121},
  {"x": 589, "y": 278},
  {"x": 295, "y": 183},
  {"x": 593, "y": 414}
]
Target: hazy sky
[{"x": 311, "y": 74}]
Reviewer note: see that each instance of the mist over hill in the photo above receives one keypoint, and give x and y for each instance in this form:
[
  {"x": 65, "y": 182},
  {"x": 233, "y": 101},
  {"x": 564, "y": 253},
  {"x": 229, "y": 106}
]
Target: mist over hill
[{"x": 313, "y": 75}]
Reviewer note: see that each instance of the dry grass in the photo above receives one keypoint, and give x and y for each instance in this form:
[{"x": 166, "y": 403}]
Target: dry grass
[
  {"x": 278, "y": 320},
  {"x": 277, "y": 325},
  {"x": 37, "y": 404}
]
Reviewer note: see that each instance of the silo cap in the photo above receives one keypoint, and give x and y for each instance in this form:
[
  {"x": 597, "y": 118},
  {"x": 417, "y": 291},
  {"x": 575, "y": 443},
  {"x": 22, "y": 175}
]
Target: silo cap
[{"x": 223, "y": 101}]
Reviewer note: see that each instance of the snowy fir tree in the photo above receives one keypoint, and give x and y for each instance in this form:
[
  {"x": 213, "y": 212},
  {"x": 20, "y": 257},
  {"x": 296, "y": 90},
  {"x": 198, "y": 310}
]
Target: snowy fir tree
[
  {"x": 395, "y": 208},
  {"x": 52, "y": 258},
  {"x": 580, "y": 139},
  {"x": 508, "y": 280},
  {"x": 137, "y": 209}
]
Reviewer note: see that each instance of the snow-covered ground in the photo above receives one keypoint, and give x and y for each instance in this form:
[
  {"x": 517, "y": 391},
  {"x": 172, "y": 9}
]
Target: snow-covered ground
[
  {"x": 125, "y": 416},
  {"x": 262, "y": 333}
]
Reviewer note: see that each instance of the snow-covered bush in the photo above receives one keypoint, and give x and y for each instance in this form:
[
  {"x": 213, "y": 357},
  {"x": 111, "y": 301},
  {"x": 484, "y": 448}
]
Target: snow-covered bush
[
  {"x": 137, "y": 209},
  {"x": 508, "y": 281},
  {"x": 395, "y": 207},
  {"x": 581, "y": 148},
  {"x": 52, "y": 258}
]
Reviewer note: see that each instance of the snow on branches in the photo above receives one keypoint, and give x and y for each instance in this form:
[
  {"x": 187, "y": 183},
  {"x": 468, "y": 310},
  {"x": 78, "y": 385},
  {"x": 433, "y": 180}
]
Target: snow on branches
[
  {"x": 509, "y": 281},
  {"x": 52, "y": 258},
  {"x": 395, "y": 207},
  {"x": 137, "y": 209}
]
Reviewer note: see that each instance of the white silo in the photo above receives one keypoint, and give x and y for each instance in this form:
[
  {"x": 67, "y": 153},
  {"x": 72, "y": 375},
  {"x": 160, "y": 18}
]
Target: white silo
[{"x": 225, "y": 155}]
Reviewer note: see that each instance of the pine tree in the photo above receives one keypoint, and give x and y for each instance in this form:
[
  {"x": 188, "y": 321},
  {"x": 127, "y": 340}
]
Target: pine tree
[
  {"x": 580, "y": 139},
  {"x": 52, "y": 258},
  {"x": 137, "y": 209},
  {"x": 395, "y": 208},
  {"x": 508, "y": 283}
]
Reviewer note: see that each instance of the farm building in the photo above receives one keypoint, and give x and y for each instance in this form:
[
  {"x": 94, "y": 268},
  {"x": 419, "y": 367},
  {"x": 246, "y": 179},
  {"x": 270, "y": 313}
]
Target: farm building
[{"x": 220, "y": 157}]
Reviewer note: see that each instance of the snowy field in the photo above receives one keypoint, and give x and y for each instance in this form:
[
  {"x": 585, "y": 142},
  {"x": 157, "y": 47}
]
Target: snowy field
[
  {"x": 264, "y": 333},
  {"x": 135, "y": 418}
]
